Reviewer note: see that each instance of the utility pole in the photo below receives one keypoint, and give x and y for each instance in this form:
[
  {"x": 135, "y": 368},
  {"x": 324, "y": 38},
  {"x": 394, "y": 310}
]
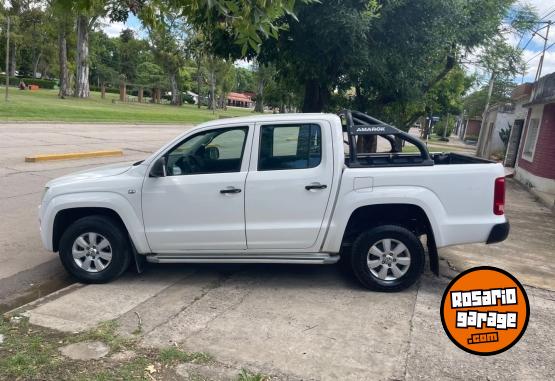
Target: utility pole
[
  {"x": 483, "y": 135},
  {"x": 540, "y": 64},
  {"x": 7, "y": 57}
]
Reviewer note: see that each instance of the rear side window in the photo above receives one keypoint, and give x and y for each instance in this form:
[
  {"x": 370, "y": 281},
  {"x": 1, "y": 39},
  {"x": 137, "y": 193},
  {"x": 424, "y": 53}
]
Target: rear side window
[{"x": 290, "y": 147}]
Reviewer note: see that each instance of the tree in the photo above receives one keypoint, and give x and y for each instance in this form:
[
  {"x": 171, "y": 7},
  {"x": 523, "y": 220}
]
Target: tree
[
  {"x": 245, "y": 80},
  {"x": 327, "y": 43},
  {"x": 167, "y": 44},
  {"x": 264, "y": 74},
  {"x": 430, "y": 39}
]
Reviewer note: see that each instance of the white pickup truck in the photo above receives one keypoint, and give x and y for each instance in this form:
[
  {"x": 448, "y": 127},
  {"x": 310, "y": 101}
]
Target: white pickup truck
[{"x": 282, "y": 188}]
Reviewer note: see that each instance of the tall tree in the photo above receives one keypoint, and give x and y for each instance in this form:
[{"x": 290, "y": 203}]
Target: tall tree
[
  {"x": 327, "y": 43},
  {"x": 167, "y": 38}
]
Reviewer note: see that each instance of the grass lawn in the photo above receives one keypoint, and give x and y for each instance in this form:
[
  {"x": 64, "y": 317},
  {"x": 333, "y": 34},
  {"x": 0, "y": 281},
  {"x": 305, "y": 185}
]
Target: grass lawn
[{"x": 44, "y": 105}]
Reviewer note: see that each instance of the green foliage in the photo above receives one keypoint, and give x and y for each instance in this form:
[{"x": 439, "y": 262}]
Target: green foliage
[
  {"x": 475, "y": 102},
  {"x": 440, "y": 130},
  {"x": 504, "y": 134},
  {"x": 328, "y": 43},
  {"x": 110, "y": 90},
  {"x": 172, "y": 355},
  {"x": 42, "y": 83},
  {"x": 150, "y": 74},
  {"x": 247, "y": 375}
]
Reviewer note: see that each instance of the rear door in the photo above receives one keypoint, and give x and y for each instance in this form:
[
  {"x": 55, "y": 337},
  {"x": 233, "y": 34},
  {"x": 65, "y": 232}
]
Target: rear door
[{"x": 288, "y": 185}]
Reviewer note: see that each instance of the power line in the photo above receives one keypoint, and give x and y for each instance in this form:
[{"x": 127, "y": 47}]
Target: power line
[
  {"x": 540, "y": 52},
  {"x": 548, "y": 13}
]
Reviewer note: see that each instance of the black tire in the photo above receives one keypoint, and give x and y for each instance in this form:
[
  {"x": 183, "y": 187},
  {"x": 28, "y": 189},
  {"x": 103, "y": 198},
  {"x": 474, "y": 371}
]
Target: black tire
[
  {"x": 113, "y": 232},
  {"x": 367, "y": 239}
]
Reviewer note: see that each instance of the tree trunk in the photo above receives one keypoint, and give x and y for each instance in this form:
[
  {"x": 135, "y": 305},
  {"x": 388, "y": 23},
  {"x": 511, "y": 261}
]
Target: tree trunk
[
  {"x": 82, "y": 63},
  {"x": 13, "y": 64},
  {"x": 367, "y": 144},
  {"x": 223, "y": 103},
  {"x": 175, "y": 89},
  {"x": 102, "y": 90},
  {"x": 198, "y": 81},
  {"x": 122, "y": 91},
  {"x": 359, "y": 99},
  {"x": 140, "y": 96},
  {"x": 259, "y": 105},
  {"x": 212, "y": 103},
  {"x": 62, "y": 56},
  {"x": 315, "y": 97},
  {"x": 36, "y": 66},
  {"x": 157, "y": 95}
]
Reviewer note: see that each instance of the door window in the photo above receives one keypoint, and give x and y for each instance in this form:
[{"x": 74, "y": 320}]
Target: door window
[
  {"x": 212, "y": 151},
  {"x": 290, "y": 147}
]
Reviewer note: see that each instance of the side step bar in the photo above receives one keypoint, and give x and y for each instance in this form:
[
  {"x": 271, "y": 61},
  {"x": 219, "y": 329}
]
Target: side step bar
[{"x": 301, "y": 258}]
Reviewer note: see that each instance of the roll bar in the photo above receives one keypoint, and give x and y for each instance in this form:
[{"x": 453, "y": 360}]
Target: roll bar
[{"x": 358, "y": 123}]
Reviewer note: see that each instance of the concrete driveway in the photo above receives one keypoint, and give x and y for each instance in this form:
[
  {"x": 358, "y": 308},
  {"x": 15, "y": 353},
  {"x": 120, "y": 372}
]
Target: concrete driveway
[{"x": 299, "y": 322}]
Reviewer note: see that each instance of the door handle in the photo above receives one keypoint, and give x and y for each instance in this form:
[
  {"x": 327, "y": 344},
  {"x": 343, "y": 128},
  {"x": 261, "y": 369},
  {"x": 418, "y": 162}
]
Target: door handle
[
  {"x": 315, "y": 186},
  {"x": 230, "y": 190}
]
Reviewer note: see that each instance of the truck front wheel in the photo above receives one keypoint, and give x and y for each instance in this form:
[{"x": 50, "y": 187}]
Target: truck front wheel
[
  {"x": 387, "y": 258},
  {"x": 95, "y": 249}
]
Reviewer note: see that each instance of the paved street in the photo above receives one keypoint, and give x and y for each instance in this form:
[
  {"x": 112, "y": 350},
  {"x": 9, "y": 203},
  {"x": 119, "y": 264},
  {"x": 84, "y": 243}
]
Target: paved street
[
  {"x": 294, "y": 322},
  {"x": 26, "y": 266}
]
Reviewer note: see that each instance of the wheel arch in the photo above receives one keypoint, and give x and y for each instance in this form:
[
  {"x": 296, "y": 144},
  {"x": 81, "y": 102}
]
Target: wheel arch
[
  {"x": 65, "y": 209},
  {"x": 65, "y": 217},
  {"x": 410, "y": 216}
]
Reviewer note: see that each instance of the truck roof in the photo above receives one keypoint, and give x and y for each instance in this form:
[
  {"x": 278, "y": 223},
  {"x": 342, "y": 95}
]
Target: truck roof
[{"x": 272, "y": 118}]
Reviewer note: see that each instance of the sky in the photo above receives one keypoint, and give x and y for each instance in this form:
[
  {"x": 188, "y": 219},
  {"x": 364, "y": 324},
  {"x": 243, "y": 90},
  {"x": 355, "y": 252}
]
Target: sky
[{"x": 532, "y": 45}]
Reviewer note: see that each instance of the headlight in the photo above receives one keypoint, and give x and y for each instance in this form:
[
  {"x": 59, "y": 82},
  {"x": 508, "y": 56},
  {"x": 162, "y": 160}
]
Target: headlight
[{"x": 44, "y": 193}]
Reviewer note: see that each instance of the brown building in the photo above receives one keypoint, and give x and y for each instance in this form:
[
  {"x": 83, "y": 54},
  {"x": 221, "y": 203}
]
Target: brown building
[
  {"x": 470, "y": 129},
  {"x": 240, "y": 100},
  {"x": 535, "y": 165}
]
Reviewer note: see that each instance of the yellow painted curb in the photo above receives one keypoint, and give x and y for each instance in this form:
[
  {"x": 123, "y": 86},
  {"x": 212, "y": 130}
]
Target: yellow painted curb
[{"x": 72, "y": 155}]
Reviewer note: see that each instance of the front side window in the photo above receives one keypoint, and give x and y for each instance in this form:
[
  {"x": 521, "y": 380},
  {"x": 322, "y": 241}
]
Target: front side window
[
  {"x": 531, "y": 138},
  {"x": 290, "y": 147},
  {"x": 212, "y": 151}
]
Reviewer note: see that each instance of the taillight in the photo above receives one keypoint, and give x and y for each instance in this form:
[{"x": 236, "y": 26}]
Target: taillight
[{"x": 499, "y": 196}]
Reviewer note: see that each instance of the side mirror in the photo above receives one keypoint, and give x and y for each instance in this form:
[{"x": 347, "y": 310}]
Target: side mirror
[
  {"x": 158, "y": 169},
  {"x": 212, "y": 153}
]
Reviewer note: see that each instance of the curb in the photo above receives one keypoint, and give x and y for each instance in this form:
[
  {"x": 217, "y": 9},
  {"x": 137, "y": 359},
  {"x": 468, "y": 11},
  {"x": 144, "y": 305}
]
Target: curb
[{"x": 72, "y": 155}]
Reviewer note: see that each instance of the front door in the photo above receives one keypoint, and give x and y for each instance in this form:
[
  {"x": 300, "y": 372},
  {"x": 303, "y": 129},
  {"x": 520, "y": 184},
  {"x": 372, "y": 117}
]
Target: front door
[
  {"x": 288, "y": 185},
  {"x": 199, "y": 205}
]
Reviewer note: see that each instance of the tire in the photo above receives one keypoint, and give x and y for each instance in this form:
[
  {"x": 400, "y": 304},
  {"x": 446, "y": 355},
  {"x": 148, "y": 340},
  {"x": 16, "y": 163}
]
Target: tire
[
  {"x": 103, "y": 263},
  {"x": 389, "y": 273}
]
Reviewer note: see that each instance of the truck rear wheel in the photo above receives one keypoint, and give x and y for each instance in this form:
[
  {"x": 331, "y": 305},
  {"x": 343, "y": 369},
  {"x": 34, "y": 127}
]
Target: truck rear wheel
[
  {"x": 387, "y": 258},
  {"x": 95, "y": 249}
]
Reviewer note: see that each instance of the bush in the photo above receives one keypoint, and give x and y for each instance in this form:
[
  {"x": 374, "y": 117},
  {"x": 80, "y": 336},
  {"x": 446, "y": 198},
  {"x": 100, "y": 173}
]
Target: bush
[
  {"x": 42, "y": 83},
  {"x": 13, "y": 80},
  {"x": 438, "y": 129},
  {"x": 111, "y": 90}
]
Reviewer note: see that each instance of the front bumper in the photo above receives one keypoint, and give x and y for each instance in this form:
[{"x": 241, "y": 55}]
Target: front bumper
[{"x": 499, "y": 233}]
